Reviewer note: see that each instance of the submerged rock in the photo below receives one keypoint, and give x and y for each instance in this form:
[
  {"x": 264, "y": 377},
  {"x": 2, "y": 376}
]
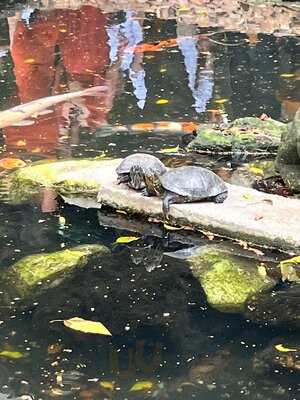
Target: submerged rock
[
  {"x": 35, "y": 273},
  {"x": 280, "y": 307},
  {"x": 288, "y": 156},
  {"x": 250, "y": 134},
  {"x": 227, "y": 279},
  {"x": 69, "y": 177}
]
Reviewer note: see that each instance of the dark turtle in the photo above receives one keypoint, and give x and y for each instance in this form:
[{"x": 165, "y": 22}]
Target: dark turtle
[
  {"x": 146, "y": 163},
  {"x": 183, "y": 185}
]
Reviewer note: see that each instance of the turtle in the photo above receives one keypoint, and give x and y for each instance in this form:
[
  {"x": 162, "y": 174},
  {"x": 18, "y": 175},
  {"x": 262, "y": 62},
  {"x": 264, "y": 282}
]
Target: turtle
[
  {"x": 146, "y": 163},
  {"x": 182, "y": 185}
]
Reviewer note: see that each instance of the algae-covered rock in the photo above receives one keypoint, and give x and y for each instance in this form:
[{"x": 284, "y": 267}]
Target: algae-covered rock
[
  {"x": 250, "y": 134},
  {"x": 281, "y": 307},
  {"x": 227, "y": 279},
  {"x": 247, "y": 174},
  {"x": 288, "y": 156},
  {"x": 35, "y": 273},
  {"x": 66, "y": 177}
]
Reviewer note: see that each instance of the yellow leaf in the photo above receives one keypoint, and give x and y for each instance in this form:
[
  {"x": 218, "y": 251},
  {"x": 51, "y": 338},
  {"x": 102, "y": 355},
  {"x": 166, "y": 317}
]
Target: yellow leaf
[
  {"x": 141, "y": 385},
  {"x": 256, "y": 170},
  {"x": 287, "y": 75},
  {"x": 29, "y": 61},
  {"x": 172, "y": 228},
  {"x": 82, "y": 325},
  {"x": 262, "y": 271},
  {"x": 162, "y": 101},
  {"x": 169, "y": 150},
  {"x": 63, "y": 30},
  {"x": 121, "y": 212},
  {"x": 280, "y": 347},
  {"x": 162, "y": 70},
  {"x": 107, "y": 385},
  {"x": 294, "y": 261},
  {"x": 11, "y": 354},
  {"x": 247, "y": 196},
  {"x": 127, "y": 239},
  {"x": 221, "y": 101}
]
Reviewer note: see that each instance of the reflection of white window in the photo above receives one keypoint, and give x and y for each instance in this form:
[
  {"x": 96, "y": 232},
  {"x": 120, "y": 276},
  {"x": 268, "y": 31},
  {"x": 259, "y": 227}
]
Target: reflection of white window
[
  {"x": 201, "y": 88},
  {"x": 131, "y": 32},
  {"x": 25, "y": 14}
]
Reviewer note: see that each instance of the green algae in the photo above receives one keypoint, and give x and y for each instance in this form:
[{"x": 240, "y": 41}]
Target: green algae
[{"x": 227, "y": 279}]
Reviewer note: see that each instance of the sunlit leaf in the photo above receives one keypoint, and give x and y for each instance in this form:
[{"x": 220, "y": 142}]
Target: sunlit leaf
[
  {"x": 293, "y": 260},
  {"x": 62, "y": 30},
  {"x": 172, "y": 228},
  {"x": 126, "y": 239},
  {"x": 162, "y": 101},
  {"x": 247, "y": 196},
  {"x": 57, "y": 392},
  {"x": 141, "y": 386},
  {"x": 287, "y": 76},
  {"x": 15, "y": 355},
  {"x": 256, "y": 170},
  {"x": 107, "y": 385},
  {"x": 29, "y": 61},
  {"x": 169, "y": 150},
  {"x": 280, "y": 347},
  {"x": 163, "y": 70},
  {"x": 82, "y": 325},
  {"x": 11, "y": 163},
  {"x": 221, "y": 101}
]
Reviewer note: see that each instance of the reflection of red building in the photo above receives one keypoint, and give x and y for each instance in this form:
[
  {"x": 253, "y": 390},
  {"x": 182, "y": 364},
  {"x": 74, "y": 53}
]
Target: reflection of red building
[{"x": 79, "y": 36}]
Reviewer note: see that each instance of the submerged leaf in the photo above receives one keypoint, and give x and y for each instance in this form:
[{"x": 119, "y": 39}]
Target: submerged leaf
[
  {"x": 141, "y": 386},
  {"x": 287, "y": 75},
  {"x": 169, "y": 150},
  {"x": 280, "y": 347},
  {"x": 107, "y": 385},
  {"x": 82, "y": 325},
  {"x": 126, "y": 239},
  {"x": 162, "y": 101},
  {"x": 12, "y": 354}
]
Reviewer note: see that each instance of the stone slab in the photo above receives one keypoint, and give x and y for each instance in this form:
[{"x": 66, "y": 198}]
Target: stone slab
[{"x": 247, "y": 214}]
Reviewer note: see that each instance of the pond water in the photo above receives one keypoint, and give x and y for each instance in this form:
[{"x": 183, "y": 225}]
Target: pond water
[{"x": 165, "y": 75}]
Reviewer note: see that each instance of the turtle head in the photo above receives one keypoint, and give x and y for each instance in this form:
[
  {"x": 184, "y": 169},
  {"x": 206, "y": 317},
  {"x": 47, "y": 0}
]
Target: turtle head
[{"x": 149, "y": 178}]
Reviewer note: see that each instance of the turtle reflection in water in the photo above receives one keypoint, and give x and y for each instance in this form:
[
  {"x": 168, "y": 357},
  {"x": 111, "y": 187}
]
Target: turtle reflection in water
[
  {"x": 146, "y": 162},
  {"x": 181, "y": 185}
]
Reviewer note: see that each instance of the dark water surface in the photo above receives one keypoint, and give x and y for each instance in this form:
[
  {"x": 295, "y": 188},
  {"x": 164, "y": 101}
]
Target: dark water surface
[{"x": 156, "y": 70}]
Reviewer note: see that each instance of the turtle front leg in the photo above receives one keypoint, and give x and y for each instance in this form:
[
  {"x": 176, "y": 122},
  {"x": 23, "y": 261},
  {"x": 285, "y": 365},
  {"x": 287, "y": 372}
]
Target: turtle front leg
[
  {"x": 145, "y": 192},
  {"x": 168, "y": 199}
]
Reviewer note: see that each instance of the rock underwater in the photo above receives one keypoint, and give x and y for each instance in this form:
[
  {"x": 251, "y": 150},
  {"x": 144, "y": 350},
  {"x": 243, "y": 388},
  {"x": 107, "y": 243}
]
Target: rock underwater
[{"x": 227, "y": 279}]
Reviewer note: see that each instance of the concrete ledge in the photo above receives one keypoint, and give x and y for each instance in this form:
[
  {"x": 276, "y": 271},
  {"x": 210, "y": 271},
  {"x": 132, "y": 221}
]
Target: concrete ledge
[{"x": 247, "y": 214}]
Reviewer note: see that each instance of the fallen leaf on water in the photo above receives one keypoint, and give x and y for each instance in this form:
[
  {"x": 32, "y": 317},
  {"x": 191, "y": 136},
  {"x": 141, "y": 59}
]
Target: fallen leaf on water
[
  {"x": 256, "y": 170},
  {"x": 11, "y": 163},
  {"x": 141, "y": 386},
  {"x": 293, "y": 260},
  {"x": 162, "y": 101},
  {"x": 221, "y": 101},
  {"x": 280, "y": 347},
  {"x": 86, "y": 326},
  {"x": 287, "y": 75},
  {"x": 107, "y": 385},
  {"x": 172, "y": 228},
  {"x": 169, "y": 150},
  {"x": 15, "y": 355},
  {"x": 29, "y": 61},
  {"x": 163, "y": 70},
  {"x": 127, "y": 239}
]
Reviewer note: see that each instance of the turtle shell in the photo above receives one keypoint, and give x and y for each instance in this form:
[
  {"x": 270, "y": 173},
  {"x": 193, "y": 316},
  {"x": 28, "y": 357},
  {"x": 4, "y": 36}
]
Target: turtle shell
[
  {"x": 146, "y": 161},
  {"x": 193, "y": 182}
]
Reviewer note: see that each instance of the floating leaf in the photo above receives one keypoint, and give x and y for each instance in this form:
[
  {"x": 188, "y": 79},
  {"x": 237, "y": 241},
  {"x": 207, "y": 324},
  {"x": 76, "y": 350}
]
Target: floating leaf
[
  {"x": 163, "y": 70},
  {"x": 293, "y": 260},
  {"x": 172, "y": 228},
  {"x": 126, "y": 239},
  {"x": 141, "y": 386},
  {"x": 221, "y": 101},
  {"x": 169, "y": 150},
  {"x": 11, "y": 163},
  {"x": 280, "y": 347},
  {"x": 15, "y": 355},
  {"x": 162, "y": 101},
  {"x": 29, "y": 61},
  {"x": 107, "y": 385},
  {"x": 82, "y": 325},
  {"x": 287, "y": 76},
  {"x": 256, "y": 170}
]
